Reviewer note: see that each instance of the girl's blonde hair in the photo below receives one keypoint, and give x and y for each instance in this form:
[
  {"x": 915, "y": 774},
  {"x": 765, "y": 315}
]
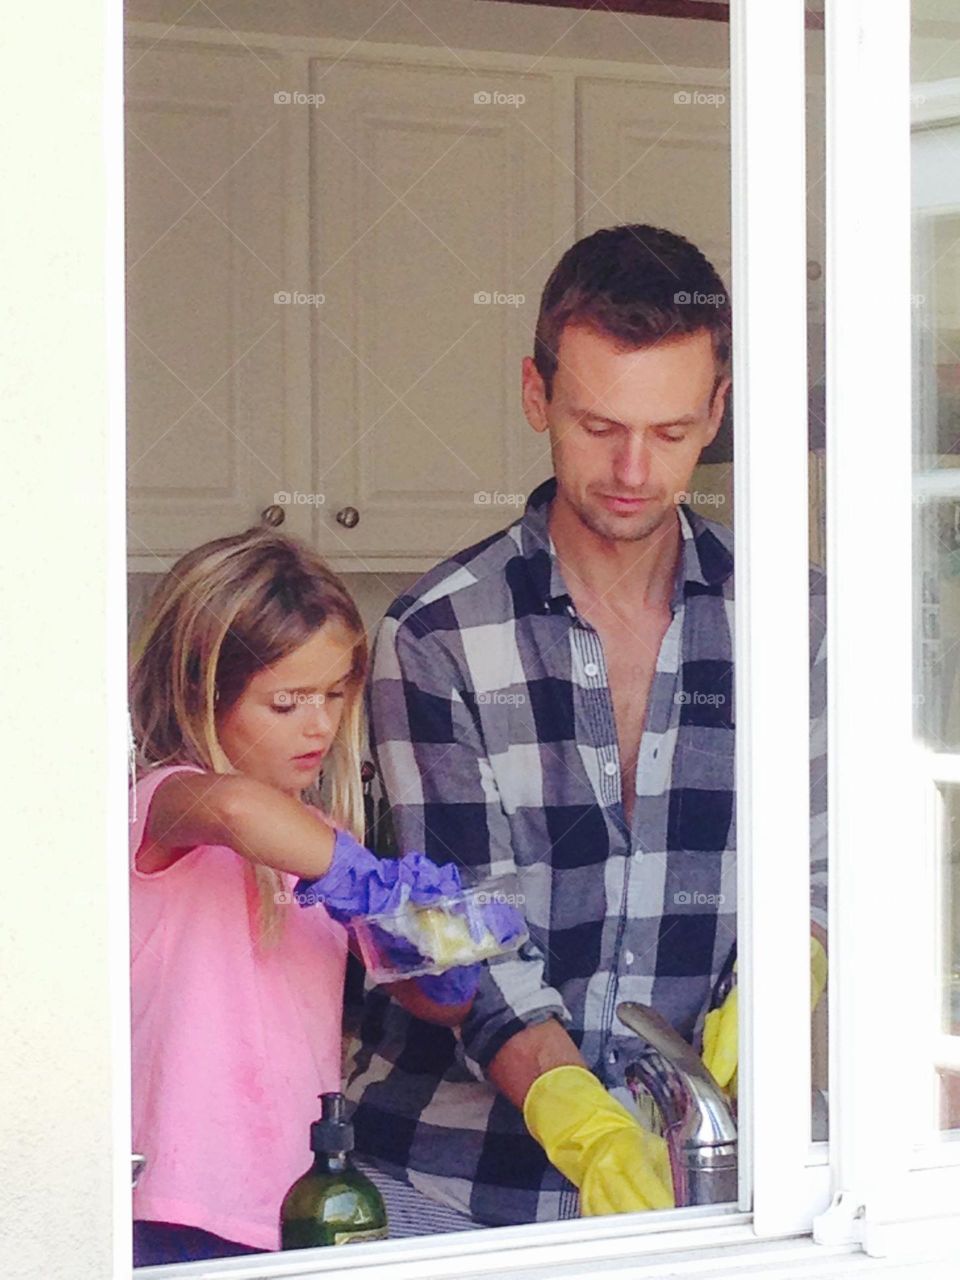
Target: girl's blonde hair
[{"x": 224, "y": 611}]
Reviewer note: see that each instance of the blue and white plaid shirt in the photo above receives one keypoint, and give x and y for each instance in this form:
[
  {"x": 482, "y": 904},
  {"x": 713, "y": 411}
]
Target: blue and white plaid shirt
[{"x": 493, "y": 730}]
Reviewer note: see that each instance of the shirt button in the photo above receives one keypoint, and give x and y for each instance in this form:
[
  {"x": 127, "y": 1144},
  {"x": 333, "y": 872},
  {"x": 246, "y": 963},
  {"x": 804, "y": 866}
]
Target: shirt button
[
  {"x": 629, "y": 957},
  {"x": 609, "y": 768},
  {"x": 591, "y": 669}
]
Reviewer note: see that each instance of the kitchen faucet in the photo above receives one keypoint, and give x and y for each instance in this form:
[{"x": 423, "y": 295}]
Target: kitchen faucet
[{"x": 697, "y": 1116}]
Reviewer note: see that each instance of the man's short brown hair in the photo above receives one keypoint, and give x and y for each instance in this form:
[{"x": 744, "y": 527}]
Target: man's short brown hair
[{"x": 639, "y": 285}]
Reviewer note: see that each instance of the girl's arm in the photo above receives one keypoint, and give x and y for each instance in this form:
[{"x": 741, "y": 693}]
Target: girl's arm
[{"x": 255, "y": 819}]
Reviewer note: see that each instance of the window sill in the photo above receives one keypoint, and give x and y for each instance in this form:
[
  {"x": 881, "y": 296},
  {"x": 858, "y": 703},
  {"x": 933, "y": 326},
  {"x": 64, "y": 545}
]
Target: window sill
[{"x": 695, "y": 1242}]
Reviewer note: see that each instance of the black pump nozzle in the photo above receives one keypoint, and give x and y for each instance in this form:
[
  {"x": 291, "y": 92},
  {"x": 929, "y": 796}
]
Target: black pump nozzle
[{"x": 332, "y": 1133}]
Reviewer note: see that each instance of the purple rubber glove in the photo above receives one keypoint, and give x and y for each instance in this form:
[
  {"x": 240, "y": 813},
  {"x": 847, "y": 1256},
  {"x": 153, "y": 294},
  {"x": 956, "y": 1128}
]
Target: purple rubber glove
[
  {"x": 501, "y": 919},
  {"x": 359, "y": 883},
  {"x": 459, "y": 985},
  {"x": 456, "y": 986}
]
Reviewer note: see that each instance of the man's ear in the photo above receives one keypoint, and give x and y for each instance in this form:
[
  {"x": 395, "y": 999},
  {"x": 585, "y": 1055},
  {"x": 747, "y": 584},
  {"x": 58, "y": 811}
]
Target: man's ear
[
  {"x": 533, "y": 395},
  {"x": 716, "y": 410}
]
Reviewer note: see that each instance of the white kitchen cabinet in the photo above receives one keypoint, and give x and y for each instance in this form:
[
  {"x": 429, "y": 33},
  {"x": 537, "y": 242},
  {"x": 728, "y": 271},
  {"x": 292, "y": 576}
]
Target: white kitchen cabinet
[
  {"x": 213, "y": 427},
  {"x": 657, "y": 152},
  {"x": 335, "y": 263},
  {"x": 435, "y": 200}
]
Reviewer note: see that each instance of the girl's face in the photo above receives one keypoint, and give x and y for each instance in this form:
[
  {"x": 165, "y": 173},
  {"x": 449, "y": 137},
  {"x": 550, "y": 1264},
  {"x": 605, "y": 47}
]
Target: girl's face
[{"x": 283, "y": 724}]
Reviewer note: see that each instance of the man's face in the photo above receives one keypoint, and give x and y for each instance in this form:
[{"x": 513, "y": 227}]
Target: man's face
[{"x": 626, "y": 427}]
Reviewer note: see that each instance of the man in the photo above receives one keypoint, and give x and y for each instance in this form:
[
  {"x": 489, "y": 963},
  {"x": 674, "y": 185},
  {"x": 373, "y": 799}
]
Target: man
[{"x": 555, "y": 706}]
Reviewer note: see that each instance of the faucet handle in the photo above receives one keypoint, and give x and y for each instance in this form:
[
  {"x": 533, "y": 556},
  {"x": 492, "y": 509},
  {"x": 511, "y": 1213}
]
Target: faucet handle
[{"x": 654, "y": 1028}]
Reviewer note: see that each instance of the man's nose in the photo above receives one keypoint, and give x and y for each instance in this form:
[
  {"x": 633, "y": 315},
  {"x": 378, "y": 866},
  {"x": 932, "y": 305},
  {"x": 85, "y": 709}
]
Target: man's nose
[{"x": 632, "y": 463}]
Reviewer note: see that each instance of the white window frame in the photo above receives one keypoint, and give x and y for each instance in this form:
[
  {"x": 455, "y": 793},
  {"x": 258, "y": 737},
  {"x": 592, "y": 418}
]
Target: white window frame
[
  {"x": 882, "y": 1187},
  {"x": 896, "y": 1190}
]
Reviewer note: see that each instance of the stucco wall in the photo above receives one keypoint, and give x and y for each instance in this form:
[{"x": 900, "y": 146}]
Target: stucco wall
[{"x": 56, "y": 1083}]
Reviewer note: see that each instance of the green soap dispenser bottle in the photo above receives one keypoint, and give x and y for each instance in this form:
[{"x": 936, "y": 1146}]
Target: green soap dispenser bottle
[{"x": 332, "y": 1203}]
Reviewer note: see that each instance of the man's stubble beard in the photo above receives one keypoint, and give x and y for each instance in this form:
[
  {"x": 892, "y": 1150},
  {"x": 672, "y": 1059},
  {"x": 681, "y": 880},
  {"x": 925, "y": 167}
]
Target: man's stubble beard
[{"x": 623, "y": 529}]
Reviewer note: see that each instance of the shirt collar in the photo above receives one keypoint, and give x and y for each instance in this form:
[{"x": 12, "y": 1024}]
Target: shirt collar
[{"x": 704, "y": 560}]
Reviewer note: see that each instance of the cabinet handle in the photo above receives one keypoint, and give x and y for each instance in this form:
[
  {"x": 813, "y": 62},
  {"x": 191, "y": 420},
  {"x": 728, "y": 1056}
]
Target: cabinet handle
[
  {"x": 273, "y": 515},
  {"x": 348, "y": 517}
]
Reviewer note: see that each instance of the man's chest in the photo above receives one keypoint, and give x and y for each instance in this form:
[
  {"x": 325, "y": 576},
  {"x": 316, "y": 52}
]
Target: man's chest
[{"x": 630, "y": 653}]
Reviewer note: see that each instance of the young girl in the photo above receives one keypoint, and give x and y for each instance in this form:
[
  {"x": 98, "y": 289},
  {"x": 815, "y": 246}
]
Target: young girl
[{"x": 246, "y": 683}]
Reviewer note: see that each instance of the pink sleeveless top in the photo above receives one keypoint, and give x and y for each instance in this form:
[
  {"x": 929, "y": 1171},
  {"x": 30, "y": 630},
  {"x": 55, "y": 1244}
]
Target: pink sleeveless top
[{"x": 231, "y": 1045}]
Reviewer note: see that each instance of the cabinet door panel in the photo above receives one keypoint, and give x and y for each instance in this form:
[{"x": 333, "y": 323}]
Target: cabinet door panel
[
  {"x": 206, "y": 242},
  {"x": 656, "y": 153},
  {"x": 430, "y": 215}
]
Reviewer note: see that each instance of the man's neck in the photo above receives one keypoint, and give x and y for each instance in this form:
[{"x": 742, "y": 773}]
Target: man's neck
[{"x": 619, "y": 575}]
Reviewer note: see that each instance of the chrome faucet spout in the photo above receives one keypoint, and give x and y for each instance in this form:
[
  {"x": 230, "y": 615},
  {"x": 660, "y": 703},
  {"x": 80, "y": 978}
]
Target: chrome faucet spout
[{"x": 698, "y": 1121}]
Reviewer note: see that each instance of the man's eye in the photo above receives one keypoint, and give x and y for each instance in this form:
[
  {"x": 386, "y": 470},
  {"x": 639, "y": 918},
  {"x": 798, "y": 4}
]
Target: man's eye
[
  {"x": 672, "y": 437},
  {"x": 597, "y": 431}
]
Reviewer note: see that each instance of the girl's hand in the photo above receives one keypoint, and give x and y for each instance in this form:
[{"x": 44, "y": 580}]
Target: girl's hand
[
  {"x": 410, "y": 995},
  {"x": 455, "y": 987},
  {"x": 359, "y": 883}
]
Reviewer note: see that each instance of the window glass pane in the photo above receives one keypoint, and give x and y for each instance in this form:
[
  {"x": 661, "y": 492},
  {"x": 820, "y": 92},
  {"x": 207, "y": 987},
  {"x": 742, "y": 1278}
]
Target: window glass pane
[
  {"x": 816, "y": 459},
  {"x": 936, "y": 415}
]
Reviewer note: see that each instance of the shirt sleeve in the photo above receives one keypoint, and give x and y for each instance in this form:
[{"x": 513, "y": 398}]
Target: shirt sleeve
[
  {"x": 818, "y": 760},
  {"x": 444, "y": 801}
]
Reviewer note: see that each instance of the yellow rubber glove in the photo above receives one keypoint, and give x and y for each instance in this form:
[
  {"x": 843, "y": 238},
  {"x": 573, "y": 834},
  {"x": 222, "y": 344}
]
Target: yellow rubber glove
[
  {"x": 720, "y": 1025},
  {"x": 597, "y": 1144},
  {"x": 720, "y": 1039}
]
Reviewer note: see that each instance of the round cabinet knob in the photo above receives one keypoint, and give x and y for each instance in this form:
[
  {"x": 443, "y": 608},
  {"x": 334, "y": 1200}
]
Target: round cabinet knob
[
  {"x": 348, "y": 517},
  {"x": 273, "y": 515}
]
